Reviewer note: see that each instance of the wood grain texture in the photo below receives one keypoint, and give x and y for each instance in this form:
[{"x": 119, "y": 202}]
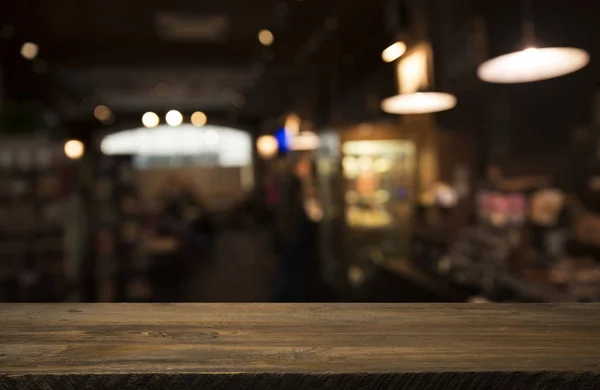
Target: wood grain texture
[{"x": 426, "y": 346}]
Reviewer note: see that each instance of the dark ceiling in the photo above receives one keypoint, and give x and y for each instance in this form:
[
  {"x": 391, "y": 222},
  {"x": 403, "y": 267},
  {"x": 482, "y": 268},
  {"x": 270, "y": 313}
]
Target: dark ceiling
[
  {"x": 139, "y": 55},
  {"x": 531, "y": 121}
]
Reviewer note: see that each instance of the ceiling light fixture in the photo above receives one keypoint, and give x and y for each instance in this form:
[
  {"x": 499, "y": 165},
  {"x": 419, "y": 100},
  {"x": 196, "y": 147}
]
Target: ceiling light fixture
[
  {"x": 174, "y": 118},
  {"x": 29, "y": 50},
  {"x": 102, "y": 113},
  {"x": 292, "y": 124},
  {"x": 198, "y": 118},
  {"x": 393, "y": 52},
  {"x": 267, "y": 146},
  {"x": 150, "y": 119},
  {"x": 532, "y": 64},
  {"x": 414, "y": 80},
  {"x": 418, "y": 103},
  {"x": 74, "y": 149},
  {"x": 265, "y": 37}
]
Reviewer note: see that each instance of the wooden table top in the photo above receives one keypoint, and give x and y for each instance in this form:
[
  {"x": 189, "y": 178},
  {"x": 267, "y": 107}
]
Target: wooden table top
[{"x": 53, "y": 340}]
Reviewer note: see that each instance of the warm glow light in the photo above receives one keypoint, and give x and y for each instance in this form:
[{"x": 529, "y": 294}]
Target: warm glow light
[
  {"x": 211, "y": 137},
  {"x": 233, "y": 147},
  {"x": 74, "y": 149},
  {"x": 393, "y": 52},
  {"x": 533, "y": 64},
  {"x": 365, "y": 163},
  {"x": 198, "y": 118},
  {"x": 383, "y": 165},
  {"x": 413, "y": 71},
  {"x": 350, "y": 163},
  {"x": 266, "y": 37},
  {"x": 418, "y": 103},
  {"x": 292, "y": 124},
  {"x": 174, "y": 118},
  {"x": 150, "y": 119},
  {"x": 102, "y": 113},
  {"x": 267, "y": 146},
  {"x": 377, "y": 148},
  {"x": 305, "y": 141},
  {"x": 29, "y": 50}
]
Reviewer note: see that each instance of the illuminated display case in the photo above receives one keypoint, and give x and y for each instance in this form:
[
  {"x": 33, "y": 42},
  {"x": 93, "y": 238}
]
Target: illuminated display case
[
  {"x": 378, "y": 183},
  {"x": 367, "y": 179}
]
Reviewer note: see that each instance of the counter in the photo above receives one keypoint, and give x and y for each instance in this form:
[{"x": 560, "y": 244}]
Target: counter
[{"x": 308, "y": 346}]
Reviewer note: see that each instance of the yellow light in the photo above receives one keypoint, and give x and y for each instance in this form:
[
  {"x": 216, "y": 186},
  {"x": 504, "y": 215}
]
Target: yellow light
[
  {"x": 393, "y": 52},
  {"x": 292, "y": 124},
  {"x": 174, "y": 118},
  {"x": 413, "y": 71},
  {"x": 365, "y": 163},
  {"x": 102, "y": 113},
  {"x": 265, "y": 37},
  {"x": 29, "y": 50},
  {"x": 350, "y": 165},
  {"x": 304, "y": 141},
  {"x": 198, "y": 118},
  {"x": 267, "y": 146},
  {"x": 74, "y": 149},
  {"x": 150, "y": 119},
  {"x": 533, "y": 64},
  {"x": 383, "y": 165},
  {"x": 418, "y": 103}
]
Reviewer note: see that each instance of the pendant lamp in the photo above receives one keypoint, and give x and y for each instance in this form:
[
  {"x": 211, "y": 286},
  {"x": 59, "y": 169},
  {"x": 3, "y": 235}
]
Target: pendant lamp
[
  {"x": 418, "y": 103},
  {"x": 532, "y": 63},
  {"x": 414, "y": 78},
  {"x": 396, "y": 22}
]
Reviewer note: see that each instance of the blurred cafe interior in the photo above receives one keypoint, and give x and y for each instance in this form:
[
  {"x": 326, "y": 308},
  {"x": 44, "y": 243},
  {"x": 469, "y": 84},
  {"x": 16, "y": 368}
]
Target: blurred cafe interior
[{"x": 300, "y": 150}]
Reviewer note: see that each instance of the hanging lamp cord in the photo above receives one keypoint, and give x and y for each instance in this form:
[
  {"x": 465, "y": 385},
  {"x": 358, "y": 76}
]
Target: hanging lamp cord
[
  {"x": 528, "y": 25},
  {"x": 391, "y": 16}
]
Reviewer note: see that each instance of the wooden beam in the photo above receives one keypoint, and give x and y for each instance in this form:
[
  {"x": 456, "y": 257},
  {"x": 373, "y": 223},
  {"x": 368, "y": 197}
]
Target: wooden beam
[{"x": 334, "y": 346}]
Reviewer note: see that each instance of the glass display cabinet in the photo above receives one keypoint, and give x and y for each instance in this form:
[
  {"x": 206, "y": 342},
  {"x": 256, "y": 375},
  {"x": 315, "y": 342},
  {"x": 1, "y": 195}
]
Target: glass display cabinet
[{"x": 369, "y": 197}]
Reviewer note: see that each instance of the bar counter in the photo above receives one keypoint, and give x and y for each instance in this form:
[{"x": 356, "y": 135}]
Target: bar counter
[{"x": 300, "y": 346}]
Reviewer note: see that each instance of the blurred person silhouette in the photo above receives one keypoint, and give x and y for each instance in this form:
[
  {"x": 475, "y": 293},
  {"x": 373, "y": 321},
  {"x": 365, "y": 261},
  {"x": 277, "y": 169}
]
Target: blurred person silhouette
[
  {"x": 298, "y": 274},
  {"x": 184, "y": 234}
]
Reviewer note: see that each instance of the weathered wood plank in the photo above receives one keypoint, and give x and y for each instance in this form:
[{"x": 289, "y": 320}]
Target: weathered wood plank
[{"x": 441, "y": 346}]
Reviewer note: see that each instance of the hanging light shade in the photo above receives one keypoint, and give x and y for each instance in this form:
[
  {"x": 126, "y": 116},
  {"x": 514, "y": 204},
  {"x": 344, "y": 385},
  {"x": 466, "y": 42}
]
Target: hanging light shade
[
  {"x": 533, "y": 64},
  {"x": 414, "y": 83},
  {"x": 418, "y": 103}
]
